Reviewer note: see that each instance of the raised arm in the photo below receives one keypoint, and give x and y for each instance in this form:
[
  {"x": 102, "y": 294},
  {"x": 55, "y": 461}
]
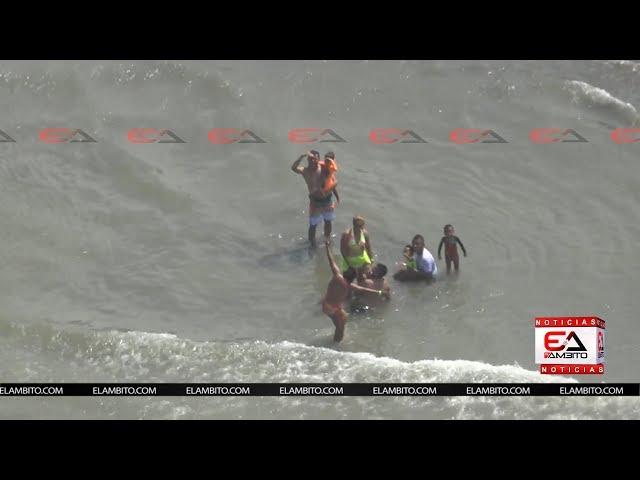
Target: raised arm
[
  {"x": 440, "y": 248},
  {"x": 344, "y": 245},
  {"x": 296, "y": 168},
  {"x": 461, "y": 246},
  {"x": 367, "y": 245},
  {"x": 332, "y": 263}
]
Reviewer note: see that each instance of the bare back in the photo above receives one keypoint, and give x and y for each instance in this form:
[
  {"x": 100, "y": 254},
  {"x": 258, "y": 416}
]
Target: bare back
[{"x": 337, "y": 290}]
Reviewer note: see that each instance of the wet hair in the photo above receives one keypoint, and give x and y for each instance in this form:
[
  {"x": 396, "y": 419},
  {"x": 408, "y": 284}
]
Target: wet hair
[
  {"x": 417, "y": 237},
  {"x": 448, "y": 225},
  {"x": 379, "y": 271},
  {"x": 315, "y": 153},
  {"x": 410, "y": 247},
  {"x": 358, "y": 218},
  {"x": 330, "y": 155}
]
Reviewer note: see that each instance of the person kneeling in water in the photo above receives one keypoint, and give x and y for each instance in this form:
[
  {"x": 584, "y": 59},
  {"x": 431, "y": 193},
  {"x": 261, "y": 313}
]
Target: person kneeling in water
[
  {"x": 338, "y": 291},
  {"x": 373, "y": 278},
  {"x": 426, "y": 267}
]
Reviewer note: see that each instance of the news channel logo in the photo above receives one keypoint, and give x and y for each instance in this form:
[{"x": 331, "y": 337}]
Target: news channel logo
[{"x": 570, "y": 345}]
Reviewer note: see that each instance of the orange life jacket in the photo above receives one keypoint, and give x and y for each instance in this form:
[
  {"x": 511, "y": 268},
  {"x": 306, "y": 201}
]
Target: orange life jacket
[{"x": 331, "y": 180}]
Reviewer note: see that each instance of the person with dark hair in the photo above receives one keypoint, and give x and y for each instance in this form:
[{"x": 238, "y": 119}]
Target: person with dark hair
[
  {"x": 379, "y": 270},
  {"x": 322, "y": 196},
  {"x": 374, "y": 280},
  {"x": 426, "y": 267},
  {"x": 425, "y": 263},
  {"x": 338, "y": 291},
  {"x": 320, "y": 206},
  {"x": 450, "y": 242}
]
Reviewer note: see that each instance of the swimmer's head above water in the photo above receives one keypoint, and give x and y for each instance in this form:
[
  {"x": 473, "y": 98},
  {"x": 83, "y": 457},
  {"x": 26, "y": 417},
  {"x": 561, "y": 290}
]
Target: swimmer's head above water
[
  {"x": 449, "y": 230},
  {"x": 379, "y": 270},
  {"x": 418, "y": 243},
  {"x": 313, "y": 157},
  {"x": 330, "y": 161}
]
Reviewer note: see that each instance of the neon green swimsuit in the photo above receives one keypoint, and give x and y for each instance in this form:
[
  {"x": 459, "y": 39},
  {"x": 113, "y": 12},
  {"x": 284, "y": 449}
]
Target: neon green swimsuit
[{"x": 358, "y": 260}]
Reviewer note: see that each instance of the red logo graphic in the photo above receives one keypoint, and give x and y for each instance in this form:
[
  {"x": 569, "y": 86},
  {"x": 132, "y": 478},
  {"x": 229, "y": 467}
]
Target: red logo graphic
[
  {"x": 394, "y": 135},
  {"x": 474, "y": 135},
  {"x": 554, "y": 135},
  {"x": 221, "y": 136},
  {"x": 64, "y": 135},
  {"x": 550, "y": 342},
  {"x": 570, "y": 345},
  {"x": 626, "y": 135},
  {"x": 152, "y": 135},
  {"x": 312, "y": 135}
]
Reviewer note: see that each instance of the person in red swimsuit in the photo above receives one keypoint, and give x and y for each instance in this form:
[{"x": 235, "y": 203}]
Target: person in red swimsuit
[
  {"x": 450, "y": 242},
  {"x": 338, "y": 291}
]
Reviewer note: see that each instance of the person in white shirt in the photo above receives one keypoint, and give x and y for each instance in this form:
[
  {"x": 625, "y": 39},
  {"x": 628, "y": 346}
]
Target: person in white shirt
[{"x": 426, "y": 267}]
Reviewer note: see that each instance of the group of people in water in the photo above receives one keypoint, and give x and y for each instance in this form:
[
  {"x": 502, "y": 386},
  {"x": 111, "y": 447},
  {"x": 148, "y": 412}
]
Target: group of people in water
[{"x": 356, "y": 277}]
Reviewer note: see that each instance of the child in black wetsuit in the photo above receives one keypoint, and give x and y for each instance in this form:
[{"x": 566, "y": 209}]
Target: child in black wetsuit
[{"x": 450, "y": 248}]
